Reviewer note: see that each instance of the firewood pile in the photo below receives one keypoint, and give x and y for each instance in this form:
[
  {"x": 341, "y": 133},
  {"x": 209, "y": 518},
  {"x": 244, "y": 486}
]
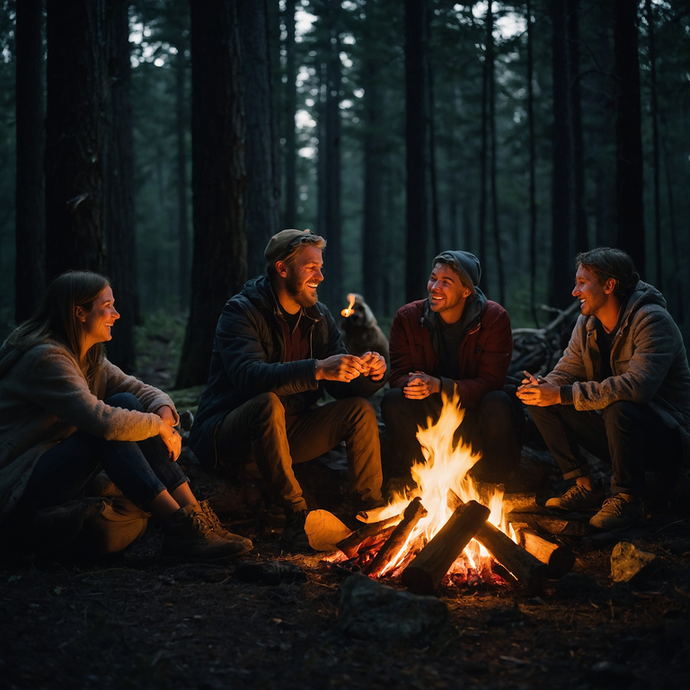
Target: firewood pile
[
  {"x": 537, "y": 350},
  {"x": 527, "y": 560}
]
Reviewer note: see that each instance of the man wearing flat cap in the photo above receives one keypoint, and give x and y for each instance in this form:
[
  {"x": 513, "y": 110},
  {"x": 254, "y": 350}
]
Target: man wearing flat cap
[
  {"x": 277, "y": 348},
  {"x": 455, "y": 341}
]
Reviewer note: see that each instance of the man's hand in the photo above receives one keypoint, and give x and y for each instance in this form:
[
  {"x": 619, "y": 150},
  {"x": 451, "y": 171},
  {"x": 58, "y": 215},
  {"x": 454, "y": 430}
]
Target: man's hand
[
  {"x": 421, "y": 385},
  {"x": 374, "y": 365},
  {"x": 342, "y": 368},
  {"x": 536, "y": 390}
]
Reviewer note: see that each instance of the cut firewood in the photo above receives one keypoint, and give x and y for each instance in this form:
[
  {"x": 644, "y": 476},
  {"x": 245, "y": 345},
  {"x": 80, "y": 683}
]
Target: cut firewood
[
  {"x": 424, "y": 574},
  {"x": 521, "y": 503},
  {"x": 530, "y": 572},
  {"x": 352, "y": 544},
  {"x": 414, "y": 512},
  {"x": 558, "y": 557},
  {"x": 566, "y": 527}
]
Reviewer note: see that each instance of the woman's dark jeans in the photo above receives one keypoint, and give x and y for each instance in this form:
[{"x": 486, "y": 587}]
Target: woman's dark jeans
[{"x": 140, "y": 470}]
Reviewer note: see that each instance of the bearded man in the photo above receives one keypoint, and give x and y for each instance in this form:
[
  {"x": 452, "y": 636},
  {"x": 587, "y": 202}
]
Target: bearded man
[{"x": 276, "y": 349}]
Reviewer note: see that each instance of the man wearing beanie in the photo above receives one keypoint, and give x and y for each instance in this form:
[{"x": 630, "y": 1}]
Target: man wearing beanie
[
  {"x": 276, "y": 350},
  {"x": 454, "y": 342}
]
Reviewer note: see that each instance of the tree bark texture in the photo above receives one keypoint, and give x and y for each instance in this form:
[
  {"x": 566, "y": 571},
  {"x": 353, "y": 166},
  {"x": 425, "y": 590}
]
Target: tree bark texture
[
  {"x": 263, "y": 185},
  {"x": 561, "y": 203},
  {"x": 575, "y": 117},
  {"x": 75, "y": 136},
  {"x": 415, "y": 138},
  {"x": 629, "y": 188},
  {"x": 29, "y": 280},
  {"x": 219, "y": 265},
  {"x": 332, "y": 152},
  {"x": 119, "y": 181},
  {"x": 654, "y": 105},
  {"x": 290, "y": 148}
]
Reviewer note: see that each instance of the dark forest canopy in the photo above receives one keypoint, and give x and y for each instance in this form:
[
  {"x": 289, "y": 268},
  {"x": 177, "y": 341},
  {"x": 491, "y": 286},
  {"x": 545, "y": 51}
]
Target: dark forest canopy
[{"x": 523, "y": 132}]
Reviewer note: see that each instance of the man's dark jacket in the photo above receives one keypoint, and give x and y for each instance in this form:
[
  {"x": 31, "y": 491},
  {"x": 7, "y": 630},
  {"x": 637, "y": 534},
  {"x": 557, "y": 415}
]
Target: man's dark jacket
[
  {"x": 249, "y": 359},
  {"x": 483, "y": 356}
]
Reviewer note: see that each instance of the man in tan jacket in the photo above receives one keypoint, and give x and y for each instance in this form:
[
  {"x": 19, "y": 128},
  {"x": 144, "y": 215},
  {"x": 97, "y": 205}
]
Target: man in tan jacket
[{"x": 621, "y": 390}]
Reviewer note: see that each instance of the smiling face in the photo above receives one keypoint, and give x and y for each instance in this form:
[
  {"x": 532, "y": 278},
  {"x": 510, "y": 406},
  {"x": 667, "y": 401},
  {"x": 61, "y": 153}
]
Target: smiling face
[
  {"x": 298, "y": 281},
  {"x": 594, "y": 295},
  {"x": 447, "y": 293},
  {"x": 97, "y": 322}
]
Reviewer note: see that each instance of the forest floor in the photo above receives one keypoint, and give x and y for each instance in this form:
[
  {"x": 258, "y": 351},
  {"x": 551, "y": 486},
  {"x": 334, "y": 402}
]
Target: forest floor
[{"x": 134, "y": 621}]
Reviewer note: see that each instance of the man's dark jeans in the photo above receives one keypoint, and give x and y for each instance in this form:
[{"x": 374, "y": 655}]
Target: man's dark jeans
[
  {"x": 259, "y": 428},
  {"x": 632, "y": 437},
  {"x": 140, "y": 470},
  {"x": 494, "y": 429}
]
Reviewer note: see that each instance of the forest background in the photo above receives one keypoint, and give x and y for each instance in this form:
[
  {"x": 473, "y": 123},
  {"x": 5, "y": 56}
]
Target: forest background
[{"x": 163, "y": 142}]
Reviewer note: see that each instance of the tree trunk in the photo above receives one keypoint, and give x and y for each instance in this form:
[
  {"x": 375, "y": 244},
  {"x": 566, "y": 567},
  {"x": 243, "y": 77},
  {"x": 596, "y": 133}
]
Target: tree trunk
[
  {"x": 29, "y": 279},
  {"x": 333, "y": 230},
  {"x": 182, "y": 121},
  {"x": 415, "y": 138},
  {"x": 491, "y": 84},
  {"x": 263, "y": 189},
  {"x": 483, "y": 158},
  {"x": 575, "y": 118},
  {"x": 532, "y": 167},
  {"x": 219, "y": 266},
  {"x": 75, "y": 136},
  {"x": 290, "y": 148},
  {"x": 629, "y": 188},
  {"x": 119, "y": 181},
  {"x": 561, "y": 260},
  {"x": 431, "y": 118},
  {"x": 659, "y": 274}
]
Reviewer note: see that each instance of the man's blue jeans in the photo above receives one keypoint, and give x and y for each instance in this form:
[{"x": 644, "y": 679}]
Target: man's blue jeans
[
  {"x": 140, "y": 470},
  {"x": 632, "y": 437}
]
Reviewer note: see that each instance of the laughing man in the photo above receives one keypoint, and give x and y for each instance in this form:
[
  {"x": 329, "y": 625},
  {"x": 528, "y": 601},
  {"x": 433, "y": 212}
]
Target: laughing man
[
  {"x": 454, "y": 341},
  {"x": 621, "y": 390},
  {"x": 275, "y": 352}
]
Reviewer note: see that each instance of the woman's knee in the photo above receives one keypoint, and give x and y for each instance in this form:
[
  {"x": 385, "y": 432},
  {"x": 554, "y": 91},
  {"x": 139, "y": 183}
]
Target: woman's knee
[{"x": 127, "y": 401}]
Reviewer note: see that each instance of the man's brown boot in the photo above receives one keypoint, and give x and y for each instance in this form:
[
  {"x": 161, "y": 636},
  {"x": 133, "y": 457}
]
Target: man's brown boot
[
  {"x": 188, "y": 537},
  {"x": 207, "y": 515}
]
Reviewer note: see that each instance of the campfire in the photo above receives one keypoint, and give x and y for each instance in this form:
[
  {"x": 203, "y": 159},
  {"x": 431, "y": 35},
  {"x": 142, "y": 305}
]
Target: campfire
[{"x": 452, "y": 527}]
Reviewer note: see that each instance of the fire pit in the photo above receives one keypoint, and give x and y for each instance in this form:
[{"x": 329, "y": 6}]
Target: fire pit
[{"x": 453, "y": 527}]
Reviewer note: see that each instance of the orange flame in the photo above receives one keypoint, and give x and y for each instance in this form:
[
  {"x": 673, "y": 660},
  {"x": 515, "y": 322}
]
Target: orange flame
[
  {"x": 349, "y": 311},
  {"x": 446, "y": 468}
]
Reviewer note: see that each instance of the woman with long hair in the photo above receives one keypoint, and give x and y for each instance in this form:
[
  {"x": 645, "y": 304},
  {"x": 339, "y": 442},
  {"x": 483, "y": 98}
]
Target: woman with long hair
[{"x": 66, "y": 412}]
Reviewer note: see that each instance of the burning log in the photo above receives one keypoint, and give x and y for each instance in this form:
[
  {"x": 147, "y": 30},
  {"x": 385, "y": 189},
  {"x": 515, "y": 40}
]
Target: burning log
[
  {"x": 414, "y": 512},
  {"x": 530, "y": 572},
  {"x": 370, "y": 533},
  {"x": 426, "y": 571},
  {"x": 559, "y": 558}
]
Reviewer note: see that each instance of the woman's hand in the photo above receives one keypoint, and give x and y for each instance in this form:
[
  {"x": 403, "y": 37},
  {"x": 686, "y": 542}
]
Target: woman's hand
[
  {"x": 172, "y": 440},
  {"x": 167, "y": 432}
]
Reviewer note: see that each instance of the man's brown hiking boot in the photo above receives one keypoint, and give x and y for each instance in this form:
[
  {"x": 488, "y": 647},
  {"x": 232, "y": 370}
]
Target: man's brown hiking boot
[
  {"x": 188, "y": 537},
  {"x": 207, "y": 515}
]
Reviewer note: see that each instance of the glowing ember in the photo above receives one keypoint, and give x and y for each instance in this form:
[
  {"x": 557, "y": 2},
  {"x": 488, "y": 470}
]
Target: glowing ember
[
  {"x": 446, "y": 469},
  {"x": 349, "y": 311}
]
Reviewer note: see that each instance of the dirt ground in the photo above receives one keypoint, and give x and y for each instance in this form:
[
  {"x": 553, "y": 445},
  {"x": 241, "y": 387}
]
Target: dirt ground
[{"x": 134, "y": 621}]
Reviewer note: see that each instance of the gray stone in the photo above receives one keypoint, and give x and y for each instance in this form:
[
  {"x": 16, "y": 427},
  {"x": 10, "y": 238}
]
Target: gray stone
[
  {"x": 371, "y": 610},
  {"x": 628, "y": 562}
]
